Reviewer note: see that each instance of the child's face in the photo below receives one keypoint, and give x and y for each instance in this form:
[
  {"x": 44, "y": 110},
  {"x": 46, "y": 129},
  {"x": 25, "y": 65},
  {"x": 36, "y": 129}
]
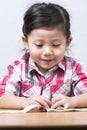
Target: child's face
[{"x": 46, "y": 47}]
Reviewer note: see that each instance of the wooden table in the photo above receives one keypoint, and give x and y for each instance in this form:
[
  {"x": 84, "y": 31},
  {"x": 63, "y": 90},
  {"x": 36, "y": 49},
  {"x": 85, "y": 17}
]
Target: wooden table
[{"x": 44, "y": 120}]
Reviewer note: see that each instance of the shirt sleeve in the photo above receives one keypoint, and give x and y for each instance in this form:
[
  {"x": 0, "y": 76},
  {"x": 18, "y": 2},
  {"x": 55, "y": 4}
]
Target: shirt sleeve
[
  {"x": 11, "y": 82},
  {"x": 79, "y": 80}
]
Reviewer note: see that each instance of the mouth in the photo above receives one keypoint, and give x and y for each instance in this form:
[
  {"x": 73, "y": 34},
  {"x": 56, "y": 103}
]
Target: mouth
[{"x": 47, "y": 60}]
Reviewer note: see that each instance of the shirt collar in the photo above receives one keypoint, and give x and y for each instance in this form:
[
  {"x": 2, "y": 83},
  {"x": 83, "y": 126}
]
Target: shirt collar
[
  {"x": 33, "y": 67},
  {"x": 62, "y": 64}
]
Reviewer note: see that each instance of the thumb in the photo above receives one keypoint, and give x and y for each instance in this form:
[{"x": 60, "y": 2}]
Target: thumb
[{"x": 66, "y": 106}]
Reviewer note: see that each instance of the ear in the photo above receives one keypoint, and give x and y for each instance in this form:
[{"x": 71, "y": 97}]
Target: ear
[
  {"x": 25, "y": 42},
  {"x": 69, "y": 41}
]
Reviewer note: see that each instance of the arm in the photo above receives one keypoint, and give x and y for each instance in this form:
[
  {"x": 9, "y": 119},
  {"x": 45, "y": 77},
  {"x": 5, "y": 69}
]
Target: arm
[
  {"x": 10, "y": 90},
  {"x": 10, "y": 85},
  {"x": 69, "y": 102},
  {"x": 9, "y": 101},
  {"x": 79, "y": 90},
  {"x": 12, "y": 102}
]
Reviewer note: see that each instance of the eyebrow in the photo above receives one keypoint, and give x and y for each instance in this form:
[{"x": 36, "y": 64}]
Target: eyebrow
[{"x": 54, "y": 39}]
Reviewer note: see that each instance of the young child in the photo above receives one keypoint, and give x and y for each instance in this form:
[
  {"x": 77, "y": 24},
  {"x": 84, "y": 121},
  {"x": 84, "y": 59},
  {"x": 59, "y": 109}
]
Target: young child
[{"x": 45, "y": 75}]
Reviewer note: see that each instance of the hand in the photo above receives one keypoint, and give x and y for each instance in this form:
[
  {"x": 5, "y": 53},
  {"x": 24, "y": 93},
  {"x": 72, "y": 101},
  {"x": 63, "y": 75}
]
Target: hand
[
  {"x": 62, "y": 100},
  {"x": 40, "y": 100}
]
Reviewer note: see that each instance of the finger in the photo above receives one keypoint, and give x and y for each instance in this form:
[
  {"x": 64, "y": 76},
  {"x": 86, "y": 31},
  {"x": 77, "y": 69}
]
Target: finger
[
  {"x": 66, "y": 106},
  {"x": 47, "y": 101},
  {"x": 54, "y": 100},
  {"x": 57, "y": 104},
  {"x": 43, "y": 102}
]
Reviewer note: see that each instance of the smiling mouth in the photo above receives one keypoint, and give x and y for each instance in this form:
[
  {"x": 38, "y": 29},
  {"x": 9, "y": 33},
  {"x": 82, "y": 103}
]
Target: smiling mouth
[{"x": 47, "y": 60}]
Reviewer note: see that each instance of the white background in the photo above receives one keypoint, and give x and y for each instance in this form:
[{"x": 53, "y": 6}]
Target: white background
[{"x": 11, "y": 19}]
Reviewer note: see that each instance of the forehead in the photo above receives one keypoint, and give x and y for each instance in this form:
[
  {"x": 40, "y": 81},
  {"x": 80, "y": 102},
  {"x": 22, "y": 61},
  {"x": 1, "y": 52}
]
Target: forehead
[{"x": 49, "y": 33}]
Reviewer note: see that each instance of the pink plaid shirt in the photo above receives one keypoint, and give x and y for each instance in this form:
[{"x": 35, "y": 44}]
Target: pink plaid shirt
[{"x": 24, "y": 79}]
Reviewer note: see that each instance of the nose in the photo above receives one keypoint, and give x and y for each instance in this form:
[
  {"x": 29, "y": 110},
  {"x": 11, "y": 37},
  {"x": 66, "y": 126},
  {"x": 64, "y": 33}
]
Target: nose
[{"x": 47, "y": 50}]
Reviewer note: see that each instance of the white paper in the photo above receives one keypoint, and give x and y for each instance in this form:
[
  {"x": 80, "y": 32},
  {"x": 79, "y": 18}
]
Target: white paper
[
  {"x": 26, "y": 109},
  {"x": 36, "y": 108}
]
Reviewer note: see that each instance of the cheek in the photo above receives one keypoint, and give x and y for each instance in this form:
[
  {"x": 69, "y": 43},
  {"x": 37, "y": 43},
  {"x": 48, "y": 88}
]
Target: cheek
[
  {"x": 34, "y": 53},
  {"x": 59, "y": 53}
]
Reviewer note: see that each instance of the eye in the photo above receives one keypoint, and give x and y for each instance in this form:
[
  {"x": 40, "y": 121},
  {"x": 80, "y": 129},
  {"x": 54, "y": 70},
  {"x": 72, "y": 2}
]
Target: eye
[
  {"x": 38, "y": 45},
  {"x": 56, "y": 45}
]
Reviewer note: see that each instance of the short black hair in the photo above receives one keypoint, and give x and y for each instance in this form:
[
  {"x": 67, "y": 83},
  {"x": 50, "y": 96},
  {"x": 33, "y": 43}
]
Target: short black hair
[{"x": 46, "y": 15}]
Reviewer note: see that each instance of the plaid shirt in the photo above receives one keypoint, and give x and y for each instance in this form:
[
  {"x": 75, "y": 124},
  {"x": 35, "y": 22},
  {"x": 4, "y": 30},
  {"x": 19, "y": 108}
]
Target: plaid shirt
[{"x": 24, "y": 79}]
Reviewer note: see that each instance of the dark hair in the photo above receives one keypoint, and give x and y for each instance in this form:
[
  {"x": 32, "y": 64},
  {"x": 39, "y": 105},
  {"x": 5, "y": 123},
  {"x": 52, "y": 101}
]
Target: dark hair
[{"x": 42, "y": 15}]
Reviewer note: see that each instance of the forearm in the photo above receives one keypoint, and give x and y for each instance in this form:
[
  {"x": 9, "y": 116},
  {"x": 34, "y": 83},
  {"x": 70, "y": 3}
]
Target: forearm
[
  {"x": 81, "y": 100},
  {"x": 12, "y": 102},
  {"x": 69, "y": 102}
]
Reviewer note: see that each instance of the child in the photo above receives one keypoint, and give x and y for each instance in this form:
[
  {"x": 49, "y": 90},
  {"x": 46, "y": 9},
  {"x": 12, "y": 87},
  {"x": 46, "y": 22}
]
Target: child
[{"x": 45, "y": 75}]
